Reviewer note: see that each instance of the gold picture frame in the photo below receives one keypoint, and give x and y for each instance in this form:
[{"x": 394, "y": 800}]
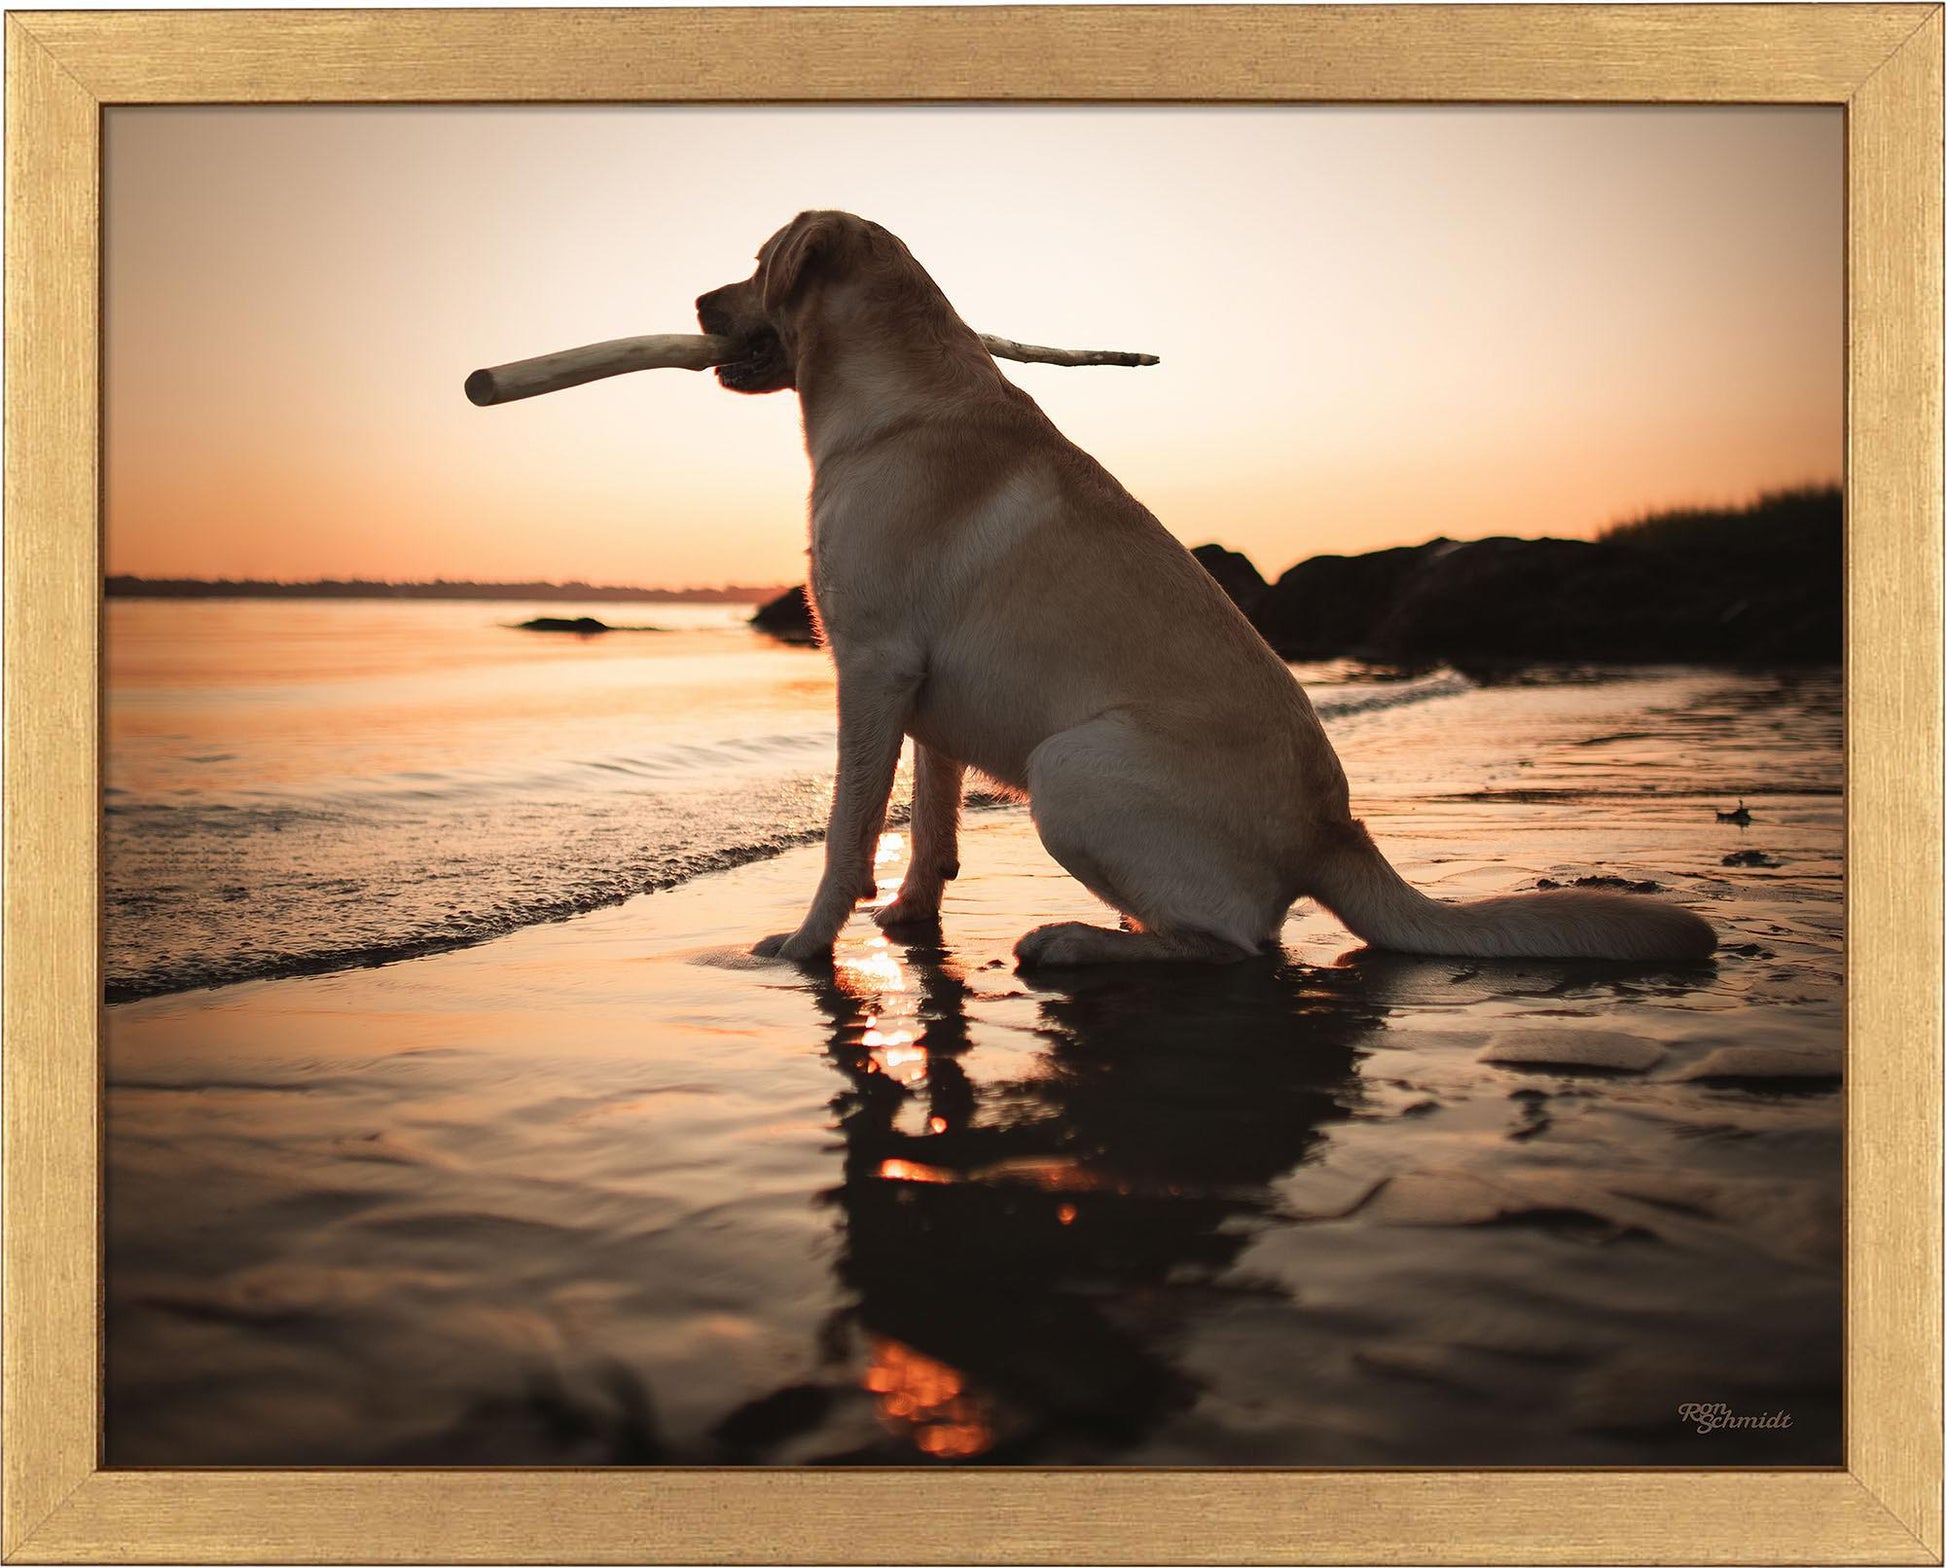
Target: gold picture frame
[{"x": 1882, "y": 63}]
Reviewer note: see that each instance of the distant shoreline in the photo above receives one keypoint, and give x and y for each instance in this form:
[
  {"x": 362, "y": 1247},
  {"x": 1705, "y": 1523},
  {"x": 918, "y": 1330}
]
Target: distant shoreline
[{"x": 131, "y": 587}]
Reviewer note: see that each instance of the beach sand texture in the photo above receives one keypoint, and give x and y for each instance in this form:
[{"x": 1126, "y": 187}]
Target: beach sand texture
[{"x": 606, "y": 1191}]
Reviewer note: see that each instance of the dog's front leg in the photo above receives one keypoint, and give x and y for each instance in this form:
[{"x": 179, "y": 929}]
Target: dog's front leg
[
  {"x": 936, "y": 786},
  {"x": 875, "y": 690}
]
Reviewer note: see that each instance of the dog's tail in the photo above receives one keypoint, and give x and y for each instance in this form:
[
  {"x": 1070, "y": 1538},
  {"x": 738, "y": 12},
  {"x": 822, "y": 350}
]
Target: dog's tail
[{"x": 1357, "y": 884}]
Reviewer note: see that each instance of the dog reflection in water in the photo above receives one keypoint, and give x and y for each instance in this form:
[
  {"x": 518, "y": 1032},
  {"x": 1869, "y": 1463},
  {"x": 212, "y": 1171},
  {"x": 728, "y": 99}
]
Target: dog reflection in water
[{"x": 1017, "y": 1245}]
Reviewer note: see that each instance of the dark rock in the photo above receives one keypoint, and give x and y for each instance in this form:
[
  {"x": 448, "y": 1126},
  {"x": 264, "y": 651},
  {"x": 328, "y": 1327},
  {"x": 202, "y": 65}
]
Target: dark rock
[
  {"x": 1762, "y": 585},
  {"x": 1234, "y": 575},
  {"x": 1618, "y": 884},
  {"x": 580, "y": 625},
  {"x": 787, "y": 617},
  {"x": 1330, "y": 605},
  {"x": 1495, "y": 600}
]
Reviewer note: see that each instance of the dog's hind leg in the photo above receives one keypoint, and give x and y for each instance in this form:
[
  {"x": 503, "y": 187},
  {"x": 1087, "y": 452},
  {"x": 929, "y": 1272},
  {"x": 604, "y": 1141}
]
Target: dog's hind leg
[
  {"x": 1109, "y": 810},
  {"x": 936, "y": 782},
  {"x": 1077, "y": 942}
]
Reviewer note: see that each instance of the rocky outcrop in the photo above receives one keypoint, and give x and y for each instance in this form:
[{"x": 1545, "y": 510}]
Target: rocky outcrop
[
  {"x": 1329, "y": 605},
  {"x": 1760, "y": 586},
  {"x": 787, "y": 617},
  {"x": 1234, "y": 575}
]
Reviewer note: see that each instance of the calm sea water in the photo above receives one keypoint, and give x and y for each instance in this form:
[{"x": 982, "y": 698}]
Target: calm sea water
[
  {"x": 298, "y": 786},
  {"x": 611, "y": 1192}
]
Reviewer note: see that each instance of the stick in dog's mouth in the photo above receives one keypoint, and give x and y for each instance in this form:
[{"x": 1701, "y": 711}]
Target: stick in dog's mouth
[
  {"x": 571, "y": 367},
  {"x": 759, "y": 364}
]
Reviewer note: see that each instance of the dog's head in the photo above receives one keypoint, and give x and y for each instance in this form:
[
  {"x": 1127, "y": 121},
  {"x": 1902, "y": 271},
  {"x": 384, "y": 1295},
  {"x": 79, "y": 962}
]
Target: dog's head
[{"x": 761, "y": 315}]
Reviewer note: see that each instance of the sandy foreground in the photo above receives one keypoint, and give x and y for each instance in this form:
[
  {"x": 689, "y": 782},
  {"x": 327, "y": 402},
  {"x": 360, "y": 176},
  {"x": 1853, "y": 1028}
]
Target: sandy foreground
[{"x": 609, "y": 1191}]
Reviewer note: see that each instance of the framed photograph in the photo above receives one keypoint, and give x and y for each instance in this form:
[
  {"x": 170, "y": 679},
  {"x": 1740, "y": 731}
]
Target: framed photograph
[{"x": 1309, "y": 931}]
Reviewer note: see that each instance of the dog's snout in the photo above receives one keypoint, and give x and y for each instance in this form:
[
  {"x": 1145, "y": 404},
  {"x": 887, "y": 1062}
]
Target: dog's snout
[
  {"x": 755, "y": 359},
  {"x": 711, "y": 315}
]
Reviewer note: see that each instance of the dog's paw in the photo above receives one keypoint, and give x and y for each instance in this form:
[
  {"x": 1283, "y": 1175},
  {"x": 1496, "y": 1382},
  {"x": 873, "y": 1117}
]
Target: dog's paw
[
  {"x": 794, "y": 947},
  {"x": 908, "y": 910},
  {"x": 1067, "y": 942}
]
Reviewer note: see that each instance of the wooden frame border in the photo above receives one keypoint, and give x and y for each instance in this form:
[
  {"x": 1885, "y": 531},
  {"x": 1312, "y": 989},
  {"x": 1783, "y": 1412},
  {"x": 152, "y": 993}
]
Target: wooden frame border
[{"x": 1882, "y": 62}]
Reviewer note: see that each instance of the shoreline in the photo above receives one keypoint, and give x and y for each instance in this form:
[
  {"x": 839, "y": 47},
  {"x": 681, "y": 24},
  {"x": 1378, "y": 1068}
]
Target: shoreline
[{"x": 215, "y": 972}]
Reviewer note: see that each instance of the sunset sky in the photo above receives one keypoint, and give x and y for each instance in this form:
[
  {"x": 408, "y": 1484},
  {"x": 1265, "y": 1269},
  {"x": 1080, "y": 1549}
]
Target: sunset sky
[{"x": 1376, "y": 324}]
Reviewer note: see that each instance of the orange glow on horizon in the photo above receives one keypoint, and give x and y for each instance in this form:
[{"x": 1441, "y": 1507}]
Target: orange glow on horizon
[{"x": 1377, "y": 324}]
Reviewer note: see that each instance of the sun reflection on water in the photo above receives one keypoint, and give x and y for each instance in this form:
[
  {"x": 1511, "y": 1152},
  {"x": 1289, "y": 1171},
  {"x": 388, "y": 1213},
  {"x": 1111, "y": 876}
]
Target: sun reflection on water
[
  {"x": 913, "y": 1170},
  {"x": 906, "y": 1064},
  {"x": 927, "y": 1401},
  {"x": 890, "y": 1036},
  {"x": 873, "y": 968},
  {"x": 873, "y": 974}
]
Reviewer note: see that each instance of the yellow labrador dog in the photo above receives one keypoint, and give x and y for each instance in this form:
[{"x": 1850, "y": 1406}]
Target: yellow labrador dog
[{"x": 987, "y": 588}]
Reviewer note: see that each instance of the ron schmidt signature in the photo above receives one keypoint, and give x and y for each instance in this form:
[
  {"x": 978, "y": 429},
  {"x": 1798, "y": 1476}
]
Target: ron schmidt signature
[{"x": 1708, "y": 1418}]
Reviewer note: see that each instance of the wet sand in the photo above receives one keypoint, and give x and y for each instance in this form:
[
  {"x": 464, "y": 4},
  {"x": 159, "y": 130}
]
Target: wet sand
[{"x": 610, "y": 1192}]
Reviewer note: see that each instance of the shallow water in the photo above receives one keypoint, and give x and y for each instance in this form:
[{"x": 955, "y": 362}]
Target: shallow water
[
  {"x": 609, "y": 1191},
  {"x": 298, "y": 786}
]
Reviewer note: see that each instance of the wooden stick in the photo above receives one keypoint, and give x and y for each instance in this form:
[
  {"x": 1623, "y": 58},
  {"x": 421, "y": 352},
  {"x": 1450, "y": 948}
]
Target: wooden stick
[
  {"x": 570, "y": 367},
  {"x": 1034, "y": 354}
]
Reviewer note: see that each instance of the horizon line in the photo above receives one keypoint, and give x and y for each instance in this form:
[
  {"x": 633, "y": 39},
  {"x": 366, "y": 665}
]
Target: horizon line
[
  {"x": 396, "y": 584},
  {"x": 1751, "y": 504}
]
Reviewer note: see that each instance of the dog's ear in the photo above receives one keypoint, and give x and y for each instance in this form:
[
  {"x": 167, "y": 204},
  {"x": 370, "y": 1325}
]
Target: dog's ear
[{"x": 809, "y": 236}]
